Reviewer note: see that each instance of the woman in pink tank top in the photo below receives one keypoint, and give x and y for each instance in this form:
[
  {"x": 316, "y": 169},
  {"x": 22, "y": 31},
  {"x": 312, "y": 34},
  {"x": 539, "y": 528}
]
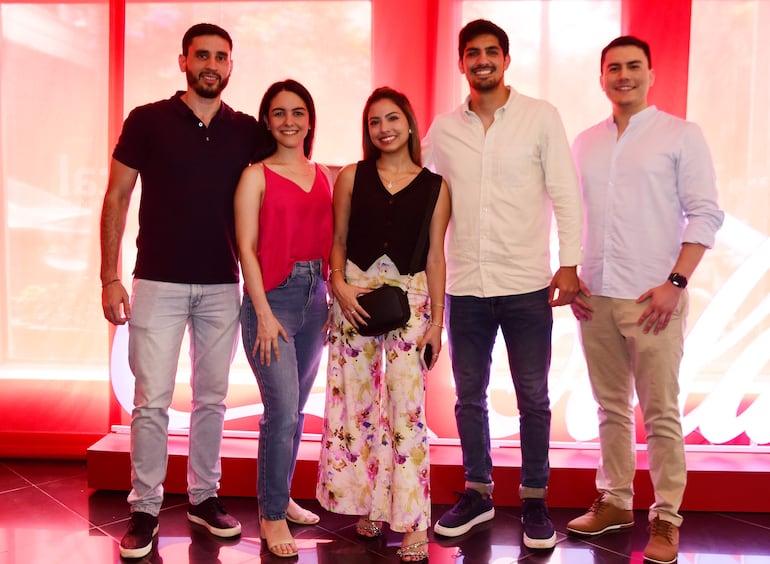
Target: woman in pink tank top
[{"x": 283, "y": 223}]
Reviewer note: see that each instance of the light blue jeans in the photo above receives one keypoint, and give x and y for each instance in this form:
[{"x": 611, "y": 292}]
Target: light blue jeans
[
  {"x": 299, "y": 304},
  {"x": 161, "y": 311}
]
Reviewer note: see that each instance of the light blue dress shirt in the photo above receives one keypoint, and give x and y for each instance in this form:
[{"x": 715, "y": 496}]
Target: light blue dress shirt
[{"x": 644, "y": 194}]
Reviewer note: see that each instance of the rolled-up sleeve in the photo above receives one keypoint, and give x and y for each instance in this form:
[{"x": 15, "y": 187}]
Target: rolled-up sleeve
[{"x": 696, "y": 182}]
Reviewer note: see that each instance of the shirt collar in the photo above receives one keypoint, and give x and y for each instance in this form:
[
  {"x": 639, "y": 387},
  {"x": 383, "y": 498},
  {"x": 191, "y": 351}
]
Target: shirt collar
[
  {"x": 222, "y": 112},
  {"x": 512, "y": 93},
  {"x": 639, "y": 117},
  {"x": 644, "y": 115}
]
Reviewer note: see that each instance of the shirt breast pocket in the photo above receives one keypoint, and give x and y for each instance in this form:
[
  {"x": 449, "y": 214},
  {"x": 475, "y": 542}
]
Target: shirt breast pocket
[{"x": 518, "y": 164}]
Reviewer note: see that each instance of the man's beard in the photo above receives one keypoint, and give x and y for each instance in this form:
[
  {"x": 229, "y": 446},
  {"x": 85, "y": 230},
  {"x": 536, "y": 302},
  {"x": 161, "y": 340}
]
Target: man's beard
[
  {"x": 203, "y": 90},
  {"x": 483, "y": 84}
]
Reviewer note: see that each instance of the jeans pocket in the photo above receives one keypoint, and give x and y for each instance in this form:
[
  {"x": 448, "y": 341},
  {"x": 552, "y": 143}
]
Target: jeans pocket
[{"x": 286, "y": 281}]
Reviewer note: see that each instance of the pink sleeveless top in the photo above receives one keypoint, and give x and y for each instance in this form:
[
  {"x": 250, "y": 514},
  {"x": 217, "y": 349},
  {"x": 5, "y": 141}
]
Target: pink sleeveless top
[{"x": 294, "y": 226}]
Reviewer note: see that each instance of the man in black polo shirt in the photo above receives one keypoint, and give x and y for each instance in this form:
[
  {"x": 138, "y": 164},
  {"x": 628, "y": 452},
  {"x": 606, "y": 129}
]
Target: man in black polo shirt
[{"x": 189, "y": 151}]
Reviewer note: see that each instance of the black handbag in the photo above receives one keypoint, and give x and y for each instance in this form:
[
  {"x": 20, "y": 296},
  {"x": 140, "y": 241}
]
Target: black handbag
[
  {"x": 388, "y": 306},
  {"x": 388, "y": 309}
]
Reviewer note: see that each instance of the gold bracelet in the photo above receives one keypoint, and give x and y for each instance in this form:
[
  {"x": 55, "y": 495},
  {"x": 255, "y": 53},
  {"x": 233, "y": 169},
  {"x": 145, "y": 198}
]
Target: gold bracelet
[
  {"x": 437, "y": 325},
  {"x": 438, "y": 305},
  {"x": 105, "y": 284},
  {"x": 332, "y": 271}
]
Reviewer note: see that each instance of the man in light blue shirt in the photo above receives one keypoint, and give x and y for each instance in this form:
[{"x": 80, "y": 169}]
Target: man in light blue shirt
[{"x": 650, "y": 198}]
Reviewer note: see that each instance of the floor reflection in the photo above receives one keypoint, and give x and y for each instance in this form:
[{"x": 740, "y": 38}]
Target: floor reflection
[{"x": 49, "y": 515}]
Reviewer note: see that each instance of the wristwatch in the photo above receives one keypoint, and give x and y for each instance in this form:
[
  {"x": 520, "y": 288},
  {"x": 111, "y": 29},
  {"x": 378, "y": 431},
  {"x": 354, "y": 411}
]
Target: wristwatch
[{"x": 678, "y": 280}]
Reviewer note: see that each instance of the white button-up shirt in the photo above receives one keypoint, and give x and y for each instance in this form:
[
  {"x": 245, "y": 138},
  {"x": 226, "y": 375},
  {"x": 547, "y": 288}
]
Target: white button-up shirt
[
  {"x": 504, "y": 184},
  {"x": 645, "y": 194}
]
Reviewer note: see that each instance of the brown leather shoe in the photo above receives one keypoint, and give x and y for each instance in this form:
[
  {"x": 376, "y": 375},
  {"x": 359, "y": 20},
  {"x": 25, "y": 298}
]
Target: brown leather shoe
[
  {"x": 600, "y": 518},
  {"x": 663, "y": 547}
]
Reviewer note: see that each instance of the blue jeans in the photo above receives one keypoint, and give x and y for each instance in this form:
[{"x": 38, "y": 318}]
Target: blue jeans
[
  {"x": 299, "y": 304},
  {"x": 525, "y": 321},
  {"x": 161, "y": 312}
]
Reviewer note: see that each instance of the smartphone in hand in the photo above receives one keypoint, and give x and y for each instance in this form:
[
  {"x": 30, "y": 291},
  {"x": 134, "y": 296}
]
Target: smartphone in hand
[{"x": 426, "y": 356}]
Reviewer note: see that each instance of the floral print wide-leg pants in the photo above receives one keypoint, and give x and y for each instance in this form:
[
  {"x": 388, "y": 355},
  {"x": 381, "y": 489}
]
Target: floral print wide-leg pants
[{"x": 374, "y": 452}]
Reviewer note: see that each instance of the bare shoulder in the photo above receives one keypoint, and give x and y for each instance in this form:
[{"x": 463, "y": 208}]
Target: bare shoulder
[
  {"x": 348, "y": 172},
  {"x": 253, "y": 169},
  {"x": 254, "y": 172},
  {"x": 343, "y": 184},
  {"x": 252, "y": 178},
  {"x": 346, "y": 176}
]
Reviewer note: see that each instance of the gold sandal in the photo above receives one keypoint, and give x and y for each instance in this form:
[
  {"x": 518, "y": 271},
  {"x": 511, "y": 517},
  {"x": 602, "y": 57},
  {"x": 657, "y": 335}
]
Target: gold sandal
[
  {"x": 414, "y": 552},
  {"x": 368, "y": 529}
]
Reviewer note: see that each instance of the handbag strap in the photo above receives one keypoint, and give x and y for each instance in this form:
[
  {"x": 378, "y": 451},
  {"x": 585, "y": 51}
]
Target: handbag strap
[{"x": 422, "y": 238}]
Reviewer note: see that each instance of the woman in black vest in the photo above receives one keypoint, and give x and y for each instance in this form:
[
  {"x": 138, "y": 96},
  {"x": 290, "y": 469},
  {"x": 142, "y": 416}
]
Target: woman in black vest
[{"x": 375, "y": 459}]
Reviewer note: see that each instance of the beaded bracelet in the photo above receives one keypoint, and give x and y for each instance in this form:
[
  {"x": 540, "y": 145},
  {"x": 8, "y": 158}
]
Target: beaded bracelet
[{"x": 437, "y": 325}]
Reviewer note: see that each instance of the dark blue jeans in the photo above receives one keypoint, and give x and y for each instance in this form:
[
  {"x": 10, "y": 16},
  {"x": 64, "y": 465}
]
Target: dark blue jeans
[
  {"x": 299, "y": 303},
  {"x": 525, "y": 321}
]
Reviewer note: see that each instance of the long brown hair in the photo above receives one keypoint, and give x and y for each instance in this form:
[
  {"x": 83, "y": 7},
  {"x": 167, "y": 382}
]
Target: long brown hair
[{"x": 400, "y": 100}]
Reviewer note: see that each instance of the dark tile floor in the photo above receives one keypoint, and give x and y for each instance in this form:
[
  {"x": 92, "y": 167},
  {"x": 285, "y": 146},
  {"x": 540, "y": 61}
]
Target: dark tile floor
[{"x": 49, "y": 515}]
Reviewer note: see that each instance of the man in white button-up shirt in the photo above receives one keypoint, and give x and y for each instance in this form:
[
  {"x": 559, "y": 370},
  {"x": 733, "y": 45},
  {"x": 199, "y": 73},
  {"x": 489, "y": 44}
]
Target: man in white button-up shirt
[
  {"x": 651, "y": 212},
  {"x": 509, "y": 168}
]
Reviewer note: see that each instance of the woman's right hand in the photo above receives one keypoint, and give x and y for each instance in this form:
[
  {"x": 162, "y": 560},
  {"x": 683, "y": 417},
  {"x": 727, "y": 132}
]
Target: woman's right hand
[
  {"x": 346, "y": 296},
  {"x": 266, "y": 343}
]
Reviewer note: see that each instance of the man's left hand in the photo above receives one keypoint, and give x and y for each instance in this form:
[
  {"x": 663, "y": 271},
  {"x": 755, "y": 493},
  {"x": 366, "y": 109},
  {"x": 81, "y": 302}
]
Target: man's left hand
[
  {"x": 664, "y": 300},
  {"x": 564, "y": 286}
]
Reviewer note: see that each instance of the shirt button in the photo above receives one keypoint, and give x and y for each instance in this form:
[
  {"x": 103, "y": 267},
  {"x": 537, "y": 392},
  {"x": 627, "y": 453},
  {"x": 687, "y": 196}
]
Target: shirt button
[{"x": 200, "y": 124}]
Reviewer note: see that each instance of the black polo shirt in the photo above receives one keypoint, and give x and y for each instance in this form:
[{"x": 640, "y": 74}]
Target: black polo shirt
[{"x": 189, "y": 173}]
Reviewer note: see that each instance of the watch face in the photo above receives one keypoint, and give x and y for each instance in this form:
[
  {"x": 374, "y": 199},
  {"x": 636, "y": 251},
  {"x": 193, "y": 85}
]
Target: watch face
[{"x": 678, "y": 280}]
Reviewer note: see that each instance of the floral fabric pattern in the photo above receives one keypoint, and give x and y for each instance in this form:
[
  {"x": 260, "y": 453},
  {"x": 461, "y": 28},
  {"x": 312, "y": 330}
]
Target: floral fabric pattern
[{"x": 374, "y": 450}]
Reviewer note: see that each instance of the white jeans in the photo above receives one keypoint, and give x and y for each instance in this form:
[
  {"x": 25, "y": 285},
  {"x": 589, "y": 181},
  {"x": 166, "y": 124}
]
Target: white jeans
[{"x": 160, "y": 313}]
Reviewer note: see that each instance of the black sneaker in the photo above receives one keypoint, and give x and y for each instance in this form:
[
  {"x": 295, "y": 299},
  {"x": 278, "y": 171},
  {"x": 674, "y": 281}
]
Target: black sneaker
[
  {"x": 137, "y": 542},
  {"x": 537, "y": 525},
  {"x": 212, "y": 515},
  {"x": 470, "y": 510}
]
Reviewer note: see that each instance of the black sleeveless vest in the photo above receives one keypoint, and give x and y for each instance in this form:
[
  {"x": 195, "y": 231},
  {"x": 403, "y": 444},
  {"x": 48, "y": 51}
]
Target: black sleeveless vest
[{"x": 384, "y": 223}]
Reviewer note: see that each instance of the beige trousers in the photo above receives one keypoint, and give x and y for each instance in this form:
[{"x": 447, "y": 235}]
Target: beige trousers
[{"x": 622, "y": 359}]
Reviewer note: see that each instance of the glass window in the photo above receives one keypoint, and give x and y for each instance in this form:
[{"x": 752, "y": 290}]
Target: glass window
[
  {"x": 54, "y": 63},
  {"x": 53, "y": 107},
  {"x": 271, "y": 41},
  {"x": 54, "y": 153},
  {"x": 555, "y": 47},
  {"x": 727, "y": 359}
]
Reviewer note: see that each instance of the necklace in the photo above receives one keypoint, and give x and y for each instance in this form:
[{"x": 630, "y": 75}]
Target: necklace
[
  {"x": 304, "y": 169},
  {"x": 397, "y": 179}
]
